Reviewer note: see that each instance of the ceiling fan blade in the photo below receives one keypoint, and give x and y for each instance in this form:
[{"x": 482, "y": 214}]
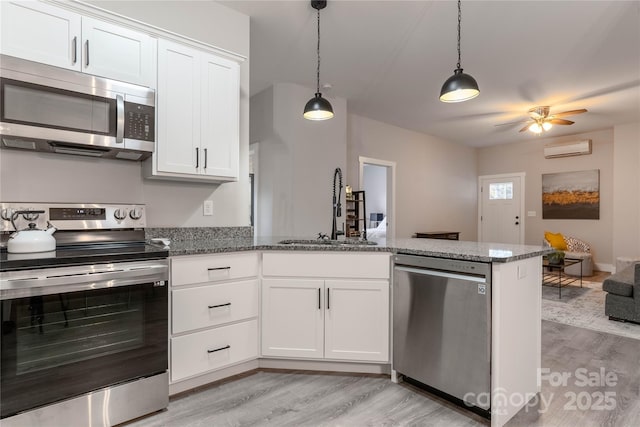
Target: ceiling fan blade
[
  {"x": 568, "y": 113},
  {"x": 560, "y": 122},
  {"x": 525, "y": 128}
]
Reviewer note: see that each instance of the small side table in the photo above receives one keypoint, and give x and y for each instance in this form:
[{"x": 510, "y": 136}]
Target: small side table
[
  {"x": 446, "y": 235},
  {"x": 559, "y": 280}
]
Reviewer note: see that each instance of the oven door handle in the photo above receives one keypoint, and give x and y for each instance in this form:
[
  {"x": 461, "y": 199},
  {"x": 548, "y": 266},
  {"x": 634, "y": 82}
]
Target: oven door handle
[{"x": 53, "y": 284}]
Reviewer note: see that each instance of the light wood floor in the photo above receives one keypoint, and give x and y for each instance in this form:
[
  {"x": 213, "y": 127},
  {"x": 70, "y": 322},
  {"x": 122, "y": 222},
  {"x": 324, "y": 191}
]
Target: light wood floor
[{"x": 290, "y": 398}]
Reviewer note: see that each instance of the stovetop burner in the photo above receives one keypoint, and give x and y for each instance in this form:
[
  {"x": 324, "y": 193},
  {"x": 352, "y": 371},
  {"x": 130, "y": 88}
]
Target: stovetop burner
[
  {"x": 69, "y": 255},
  {"x": 87, "y": 234}
]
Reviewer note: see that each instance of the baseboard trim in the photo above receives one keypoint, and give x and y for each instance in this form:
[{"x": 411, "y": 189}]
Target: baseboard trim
[
  {"x": 202, "y": 380},
  {"x": 286, "y": 364},
  {"x": 326, "y": 366},
  {"x": 610, "y": 268}
]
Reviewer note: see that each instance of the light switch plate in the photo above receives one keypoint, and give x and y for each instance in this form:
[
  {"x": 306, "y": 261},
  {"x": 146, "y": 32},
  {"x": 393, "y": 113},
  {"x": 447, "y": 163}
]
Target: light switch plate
[
  {"x": 531, "y": 213},
  {"x": 207, "y": 208}
]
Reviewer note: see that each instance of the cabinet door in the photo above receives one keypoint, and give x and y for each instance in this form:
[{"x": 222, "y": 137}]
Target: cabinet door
[
  {"x": 220, "y": 116},
  {"x": 292, "y": 317},
  {"x": 178, "y": 109},
  {"x": 357, "y": 320},
  {"x": 117, "y": 53},
  {"x": 40, "y": 32}
]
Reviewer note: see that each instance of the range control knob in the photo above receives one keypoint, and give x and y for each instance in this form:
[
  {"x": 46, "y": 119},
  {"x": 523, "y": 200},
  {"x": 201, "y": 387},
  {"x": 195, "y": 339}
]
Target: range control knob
[
  {"x": 135, "y": 213},
  {"x": 120, "y": 214}
]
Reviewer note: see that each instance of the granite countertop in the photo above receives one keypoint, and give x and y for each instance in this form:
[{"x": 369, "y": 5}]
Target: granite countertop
[{"x": 453, "y": 249}]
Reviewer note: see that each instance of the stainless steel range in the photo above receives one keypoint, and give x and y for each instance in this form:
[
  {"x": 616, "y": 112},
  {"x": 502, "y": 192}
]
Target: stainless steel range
[{"x": 84, "y": 327}]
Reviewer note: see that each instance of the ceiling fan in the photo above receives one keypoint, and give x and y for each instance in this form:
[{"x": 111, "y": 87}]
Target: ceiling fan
[{"x": 540, "y": 120}]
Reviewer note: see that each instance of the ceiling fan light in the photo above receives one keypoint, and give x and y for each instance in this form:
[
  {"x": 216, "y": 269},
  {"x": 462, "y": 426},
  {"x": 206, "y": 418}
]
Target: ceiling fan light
[
  {"x": 546, "y": 126},
  {"x": 318, "y": 108},
  {"x": 535, "y": 128},
  {"x": 459, "y": 87}
]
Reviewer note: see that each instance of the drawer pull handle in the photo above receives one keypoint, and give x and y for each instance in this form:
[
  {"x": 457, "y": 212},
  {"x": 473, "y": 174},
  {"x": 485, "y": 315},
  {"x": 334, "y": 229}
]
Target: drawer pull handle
[
  {"x": 219, "y": 349},
  {"x": 219, "y": 268},
  {"x": 220, "y": 305}
]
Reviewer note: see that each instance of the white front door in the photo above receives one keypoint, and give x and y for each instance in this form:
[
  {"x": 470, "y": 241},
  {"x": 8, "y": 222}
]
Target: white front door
[{"x": 501, "y": 208}]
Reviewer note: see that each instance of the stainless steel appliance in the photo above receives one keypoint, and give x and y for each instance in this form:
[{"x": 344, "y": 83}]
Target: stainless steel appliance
[
  {"x": 45, "y": 108},
  {"x": 84, "y": 327},
  {"x": 442, "y": 326}
]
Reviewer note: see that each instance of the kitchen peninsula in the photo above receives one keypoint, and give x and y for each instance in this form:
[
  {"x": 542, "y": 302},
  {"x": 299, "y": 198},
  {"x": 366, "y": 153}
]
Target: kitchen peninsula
[{"x": 314, "y": 268}]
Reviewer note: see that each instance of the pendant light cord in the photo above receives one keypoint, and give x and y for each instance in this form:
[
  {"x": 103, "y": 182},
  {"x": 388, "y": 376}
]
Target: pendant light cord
[
  {"x": 318, "y": 51},
  {"x": 459, "y": 20}
]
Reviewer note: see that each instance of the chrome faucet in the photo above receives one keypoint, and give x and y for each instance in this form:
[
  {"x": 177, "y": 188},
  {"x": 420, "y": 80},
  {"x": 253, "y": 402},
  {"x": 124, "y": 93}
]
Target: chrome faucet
[{"x": 337, "y": 207}]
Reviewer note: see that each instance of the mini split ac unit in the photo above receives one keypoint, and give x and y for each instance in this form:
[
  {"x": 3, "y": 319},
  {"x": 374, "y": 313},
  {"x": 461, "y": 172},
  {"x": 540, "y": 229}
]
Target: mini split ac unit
[{"x": 565, "y": 149}]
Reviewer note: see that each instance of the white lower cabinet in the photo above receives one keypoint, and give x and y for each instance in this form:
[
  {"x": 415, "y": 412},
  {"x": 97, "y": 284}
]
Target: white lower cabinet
[
  {"x": 356, "y": 324},
  {"x": 200, "y": 352},
  {"x": 214, "y": 312},
  {"x": 338, "y": 319},
  {"x": 292, "y": 318}
]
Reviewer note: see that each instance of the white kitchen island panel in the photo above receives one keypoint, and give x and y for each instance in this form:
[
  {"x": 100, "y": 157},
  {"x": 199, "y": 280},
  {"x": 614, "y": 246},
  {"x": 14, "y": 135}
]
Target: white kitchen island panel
[{"x": 516, "y": 336}]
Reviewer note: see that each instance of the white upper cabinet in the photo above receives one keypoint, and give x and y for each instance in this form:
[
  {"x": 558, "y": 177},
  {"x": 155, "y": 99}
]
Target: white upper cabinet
[
  {"x": 41, "y": 32},
  {"x": 220, "y": 116},
  {"x": 55, "y": 36},
  {"x": 178, "y": 109},
  {"x": 118, "y": 53},
  {"x": 198, "y": 105}
]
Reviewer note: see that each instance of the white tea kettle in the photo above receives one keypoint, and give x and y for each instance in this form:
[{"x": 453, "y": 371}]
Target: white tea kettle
[{"x": 32, "y": 240}]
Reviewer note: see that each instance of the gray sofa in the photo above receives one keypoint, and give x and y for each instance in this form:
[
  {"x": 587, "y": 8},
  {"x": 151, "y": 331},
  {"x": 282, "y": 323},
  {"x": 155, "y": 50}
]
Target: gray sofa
[{"x": 623, "y": 297}]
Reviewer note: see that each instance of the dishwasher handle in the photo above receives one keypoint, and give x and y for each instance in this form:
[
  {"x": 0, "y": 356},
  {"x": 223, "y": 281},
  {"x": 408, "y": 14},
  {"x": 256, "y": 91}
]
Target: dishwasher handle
[{"x": 444, "y": 274}]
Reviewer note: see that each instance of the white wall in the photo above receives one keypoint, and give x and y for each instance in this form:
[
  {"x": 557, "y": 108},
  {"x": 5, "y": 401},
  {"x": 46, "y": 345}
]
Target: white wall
[
  {"x": 436, "y": 180},
  {"x": 528, "y": 157},
  {"x": 59, "y": 178},
  {"x": 297, "y": 159},
  {"x": 626, "y": 190}
]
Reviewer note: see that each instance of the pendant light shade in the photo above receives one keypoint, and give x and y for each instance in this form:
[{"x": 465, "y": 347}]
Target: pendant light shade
[
  {"x": 318, "y": 108},
  {"x": 459, "y": 87}
]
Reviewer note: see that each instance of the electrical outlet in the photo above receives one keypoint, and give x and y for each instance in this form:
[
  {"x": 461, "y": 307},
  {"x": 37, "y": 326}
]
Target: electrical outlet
[{"x": 207, "y": 208}]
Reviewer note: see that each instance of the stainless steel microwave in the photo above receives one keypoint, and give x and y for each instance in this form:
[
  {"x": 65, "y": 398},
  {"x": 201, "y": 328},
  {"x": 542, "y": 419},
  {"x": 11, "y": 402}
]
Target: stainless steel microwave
[{"x": 45, "y": 108}]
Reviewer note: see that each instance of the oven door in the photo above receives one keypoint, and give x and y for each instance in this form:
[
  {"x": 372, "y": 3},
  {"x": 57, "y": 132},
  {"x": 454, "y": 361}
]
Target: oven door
[{"x": 72, "y": 330}]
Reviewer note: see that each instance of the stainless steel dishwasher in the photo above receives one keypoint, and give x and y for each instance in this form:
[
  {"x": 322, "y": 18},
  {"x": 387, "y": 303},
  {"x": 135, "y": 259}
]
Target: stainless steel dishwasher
[{"x": 442, "y": 326}]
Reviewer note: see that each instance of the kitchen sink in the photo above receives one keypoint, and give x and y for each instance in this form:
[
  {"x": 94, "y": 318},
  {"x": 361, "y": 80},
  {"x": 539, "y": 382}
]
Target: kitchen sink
[{"x": 327, "y": 242}]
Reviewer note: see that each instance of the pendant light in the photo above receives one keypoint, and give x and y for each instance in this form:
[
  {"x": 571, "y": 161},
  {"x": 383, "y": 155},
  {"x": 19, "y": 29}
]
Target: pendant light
[
  {"x": 318, "y": 108},
  {"x": 459, "y": 87}
]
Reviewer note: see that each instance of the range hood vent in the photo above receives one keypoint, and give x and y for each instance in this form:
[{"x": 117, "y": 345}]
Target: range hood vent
[
  {"x": 78, "y": 150},
  {"x": 566, "y": 149}
]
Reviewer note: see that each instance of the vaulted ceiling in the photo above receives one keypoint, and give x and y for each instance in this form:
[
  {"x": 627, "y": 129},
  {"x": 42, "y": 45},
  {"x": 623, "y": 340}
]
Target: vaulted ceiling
[{"x": 390, "y": 58}]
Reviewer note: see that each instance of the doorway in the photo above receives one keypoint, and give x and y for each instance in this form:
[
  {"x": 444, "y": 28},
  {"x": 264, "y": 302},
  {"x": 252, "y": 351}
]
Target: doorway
[
  {"x": 377, "y": 179},
  {"x": 500, "y": 208}
]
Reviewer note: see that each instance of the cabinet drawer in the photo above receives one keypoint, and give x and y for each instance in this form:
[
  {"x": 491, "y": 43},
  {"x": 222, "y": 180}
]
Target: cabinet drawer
[
  {"x": 211, "y": 268},
  {"x": 200, "y": 352},
  {"x": 211, "y": 305},
  {"x": 338, "y": 264}
]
